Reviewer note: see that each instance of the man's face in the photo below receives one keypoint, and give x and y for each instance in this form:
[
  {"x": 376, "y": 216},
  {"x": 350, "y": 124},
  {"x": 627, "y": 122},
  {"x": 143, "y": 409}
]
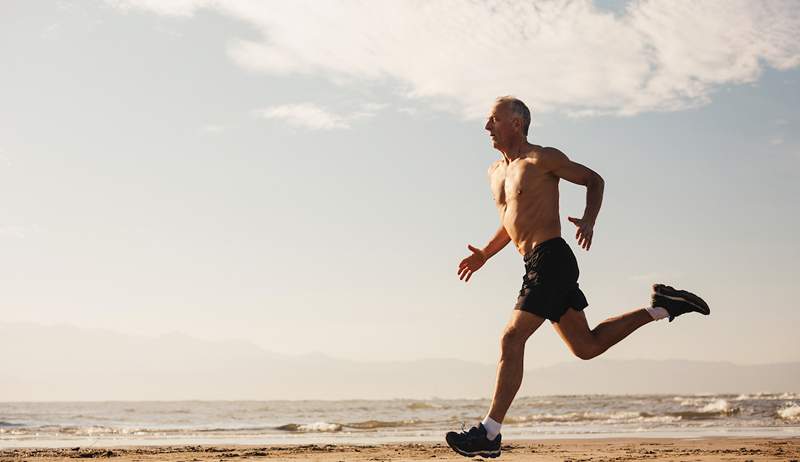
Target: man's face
[{"x": 501, "y": 126}]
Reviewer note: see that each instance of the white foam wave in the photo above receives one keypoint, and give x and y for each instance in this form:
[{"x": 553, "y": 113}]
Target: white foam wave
[
  {"x": 319, "y": 427},
  {"x": 721, "y": 405},
  {"x": 423, "y": 405},
  {"x": 790, "y": 413},
  {"x": 767, "y": 396},
  {"x": 599, "y": 417},
  {"x": 315, "y": 427}
]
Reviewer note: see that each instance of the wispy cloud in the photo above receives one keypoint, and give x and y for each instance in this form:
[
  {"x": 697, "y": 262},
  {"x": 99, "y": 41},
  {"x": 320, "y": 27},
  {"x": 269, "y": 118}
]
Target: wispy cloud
[
  {"x": 312, "y": 116},
  {"x": 213, "y": 128},
  {"x": 564, "y": 55},
  {"x": 5, "y": 161},
  {"x": 50, "y": 32},
  {"x": 19, "y": 231}
]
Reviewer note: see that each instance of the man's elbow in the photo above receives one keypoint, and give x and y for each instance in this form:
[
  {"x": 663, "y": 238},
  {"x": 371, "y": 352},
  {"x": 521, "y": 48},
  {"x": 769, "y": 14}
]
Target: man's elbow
[{"x": 596, "y": 180}]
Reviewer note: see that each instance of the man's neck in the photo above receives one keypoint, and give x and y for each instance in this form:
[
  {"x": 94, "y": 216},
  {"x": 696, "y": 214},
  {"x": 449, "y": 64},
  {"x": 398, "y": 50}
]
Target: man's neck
[{"x": 515, "y": 151}]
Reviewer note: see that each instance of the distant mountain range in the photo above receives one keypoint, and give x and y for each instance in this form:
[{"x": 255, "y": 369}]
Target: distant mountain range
[{"x": 68, "y": 363}]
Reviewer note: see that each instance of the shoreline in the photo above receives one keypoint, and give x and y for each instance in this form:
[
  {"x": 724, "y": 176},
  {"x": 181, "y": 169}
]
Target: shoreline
[
  {"x": 371, "y": 439},
  {"x": 594, "y": 449}
]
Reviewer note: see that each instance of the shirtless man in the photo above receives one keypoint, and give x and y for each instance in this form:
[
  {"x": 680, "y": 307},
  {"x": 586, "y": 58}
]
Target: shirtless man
[{"x": 524, "y": 184}]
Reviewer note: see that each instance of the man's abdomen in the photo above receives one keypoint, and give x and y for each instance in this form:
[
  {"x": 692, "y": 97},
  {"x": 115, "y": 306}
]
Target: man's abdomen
[{"x": 531, "y": 225}]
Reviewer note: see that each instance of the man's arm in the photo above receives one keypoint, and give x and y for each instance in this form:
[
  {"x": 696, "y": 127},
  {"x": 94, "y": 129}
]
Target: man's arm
[
  {"x": 500, "y": 240},
  {"x": 501, "y": 237},
  {"x": 559, "y": 165},
  {"x": 479, "y": 256}
]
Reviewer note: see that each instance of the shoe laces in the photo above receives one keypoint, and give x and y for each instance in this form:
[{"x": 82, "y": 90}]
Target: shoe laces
[{"x": 472, "y": 431}]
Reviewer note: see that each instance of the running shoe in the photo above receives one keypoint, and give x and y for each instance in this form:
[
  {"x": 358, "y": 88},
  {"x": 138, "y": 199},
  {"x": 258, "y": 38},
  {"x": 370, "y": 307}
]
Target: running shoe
[
  {"x": 473, "y": 442},
  {"x": 678, "y": 302}
]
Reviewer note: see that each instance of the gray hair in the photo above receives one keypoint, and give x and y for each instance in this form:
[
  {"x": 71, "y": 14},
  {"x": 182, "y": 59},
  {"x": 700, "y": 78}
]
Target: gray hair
[{"x": 519, "y": 109}]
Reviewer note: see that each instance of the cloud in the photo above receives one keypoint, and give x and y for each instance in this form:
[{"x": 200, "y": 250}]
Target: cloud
[
  {"x": 5, "y": 160},
  {"x": 213, "y": 128},
  {"x": 51, "y": 32},
  {"x": 19, "y": 231},
  {"x": 557, "y": 55},
  {"x": 309, "y": 115},
  {"x": 165, "y": 7}
]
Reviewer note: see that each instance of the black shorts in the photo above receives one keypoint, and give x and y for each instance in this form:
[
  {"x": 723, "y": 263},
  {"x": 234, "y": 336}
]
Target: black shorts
[{"x": 550, "y": 283}]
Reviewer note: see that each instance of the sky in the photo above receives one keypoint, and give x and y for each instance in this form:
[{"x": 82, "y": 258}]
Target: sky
[{"x": 306, "y": 176}]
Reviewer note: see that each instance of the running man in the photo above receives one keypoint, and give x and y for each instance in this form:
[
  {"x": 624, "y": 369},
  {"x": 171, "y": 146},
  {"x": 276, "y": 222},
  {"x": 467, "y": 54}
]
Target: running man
[{"x": 524, "y": 184}]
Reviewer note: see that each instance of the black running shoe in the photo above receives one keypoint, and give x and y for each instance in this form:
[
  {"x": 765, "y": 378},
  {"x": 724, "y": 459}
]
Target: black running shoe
[
  {"x": 474, "y": 442},
  {"x": 677, "y": 302}
]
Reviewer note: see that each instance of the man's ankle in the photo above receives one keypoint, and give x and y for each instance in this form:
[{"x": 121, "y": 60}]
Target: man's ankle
[{"x": 492, "y": 427}]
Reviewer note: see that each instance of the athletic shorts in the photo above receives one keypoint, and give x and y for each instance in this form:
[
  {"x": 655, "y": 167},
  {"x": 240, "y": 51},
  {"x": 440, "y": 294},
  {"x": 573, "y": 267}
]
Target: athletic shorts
[{"x": 550, "y": 283}]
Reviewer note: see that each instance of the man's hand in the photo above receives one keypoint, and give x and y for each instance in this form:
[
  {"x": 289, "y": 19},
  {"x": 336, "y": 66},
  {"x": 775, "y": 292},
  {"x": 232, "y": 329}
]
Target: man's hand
[
  {"x": 584, "y": 232},
  {"x": 471, "y": 264}
]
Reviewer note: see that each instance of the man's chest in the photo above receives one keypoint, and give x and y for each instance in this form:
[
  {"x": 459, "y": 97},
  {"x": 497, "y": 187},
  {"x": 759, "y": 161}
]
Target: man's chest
[{"x": 509, "y": 182}]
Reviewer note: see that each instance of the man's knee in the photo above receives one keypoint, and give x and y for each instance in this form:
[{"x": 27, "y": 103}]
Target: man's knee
[
  {"x": 512, "y": 341},
  {"x": 586, "y": 350}
]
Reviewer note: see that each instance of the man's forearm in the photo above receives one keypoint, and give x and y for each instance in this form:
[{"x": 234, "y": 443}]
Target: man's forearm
[
  {"x": 594, "y": 198},
  {"x": 500, "y": 239}
]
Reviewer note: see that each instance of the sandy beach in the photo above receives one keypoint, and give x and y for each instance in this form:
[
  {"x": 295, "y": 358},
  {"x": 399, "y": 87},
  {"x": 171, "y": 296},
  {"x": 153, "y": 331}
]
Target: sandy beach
[{"x": 617, "y": 449}]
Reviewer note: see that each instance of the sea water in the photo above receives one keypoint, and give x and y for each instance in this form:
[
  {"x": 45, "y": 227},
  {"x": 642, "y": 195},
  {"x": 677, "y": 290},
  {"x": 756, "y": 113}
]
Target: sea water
[{"x": 123, "y": 423}]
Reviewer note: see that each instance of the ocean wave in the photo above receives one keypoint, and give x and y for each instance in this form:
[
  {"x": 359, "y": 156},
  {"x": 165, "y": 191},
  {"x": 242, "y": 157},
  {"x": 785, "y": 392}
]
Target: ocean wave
[
  {"x": 790, "y": 413},
  {"x": 705, "y": 408},
  {"x": 690, "y": 401},
  {"x": 373, "y": 424},
  {"x": 337, "y": 427},
  {"x": 767, "y": 396},
  {"x": 423, "y": 405},
  {"x": 576, "y": 417},
  {"x": 720, "y": 406},
  {"x": 9, "y": 424},
  {"x": 68, "y": 430},
  {"x": 311, "y": 428},
  {"x": 98, "y": 430}
]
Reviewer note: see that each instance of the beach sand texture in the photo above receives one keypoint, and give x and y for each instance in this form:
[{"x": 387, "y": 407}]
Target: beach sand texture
[{"x": 594, "y": 450}]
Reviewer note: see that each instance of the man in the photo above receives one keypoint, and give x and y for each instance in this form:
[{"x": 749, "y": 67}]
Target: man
[{"x": 524, "y": 184}]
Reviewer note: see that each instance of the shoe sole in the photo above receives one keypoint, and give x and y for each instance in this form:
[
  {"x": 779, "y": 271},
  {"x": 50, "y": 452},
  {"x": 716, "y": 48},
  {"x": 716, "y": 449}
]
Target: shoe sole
[
  {"x": 682, "y": 296},
  {"x": 488, "y": 455}
]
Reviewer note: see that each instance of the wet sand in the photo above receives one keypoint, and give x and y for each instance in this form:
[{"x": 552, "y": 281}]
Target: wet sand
[{"x": 612, "y": 449}]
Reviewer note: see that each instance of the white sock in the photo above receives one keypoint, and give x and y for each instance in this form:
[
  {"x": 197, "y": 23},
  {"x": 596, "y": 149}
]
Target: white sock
[
  {"x": 492, "y": 428},
  {"x": 657, "y": 312}
]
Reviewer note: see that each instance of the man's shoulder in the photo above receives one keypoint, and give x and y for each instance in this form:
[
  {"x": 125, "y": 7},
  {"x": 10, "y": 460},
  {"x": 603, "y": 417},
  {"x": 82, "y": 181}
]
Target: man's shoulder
[
  {"x": 494, "y": 166},
  {"x": 544, "y": 153},
  {"x": 546, "y": 157}
]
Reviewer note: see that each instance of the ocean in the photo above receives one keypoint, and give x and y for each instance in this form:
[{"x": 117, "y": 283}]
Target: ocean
[{"x": 124, "y": 423}]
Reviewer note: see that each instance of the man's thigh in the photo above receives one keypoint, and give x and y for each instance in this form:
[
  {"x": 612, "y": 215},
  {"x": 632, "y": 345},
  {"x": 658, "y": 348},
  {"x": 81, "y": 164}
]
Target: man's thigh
[
  {"x": 523, "y": 323},
  {"x": 573, "y": 329}
]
